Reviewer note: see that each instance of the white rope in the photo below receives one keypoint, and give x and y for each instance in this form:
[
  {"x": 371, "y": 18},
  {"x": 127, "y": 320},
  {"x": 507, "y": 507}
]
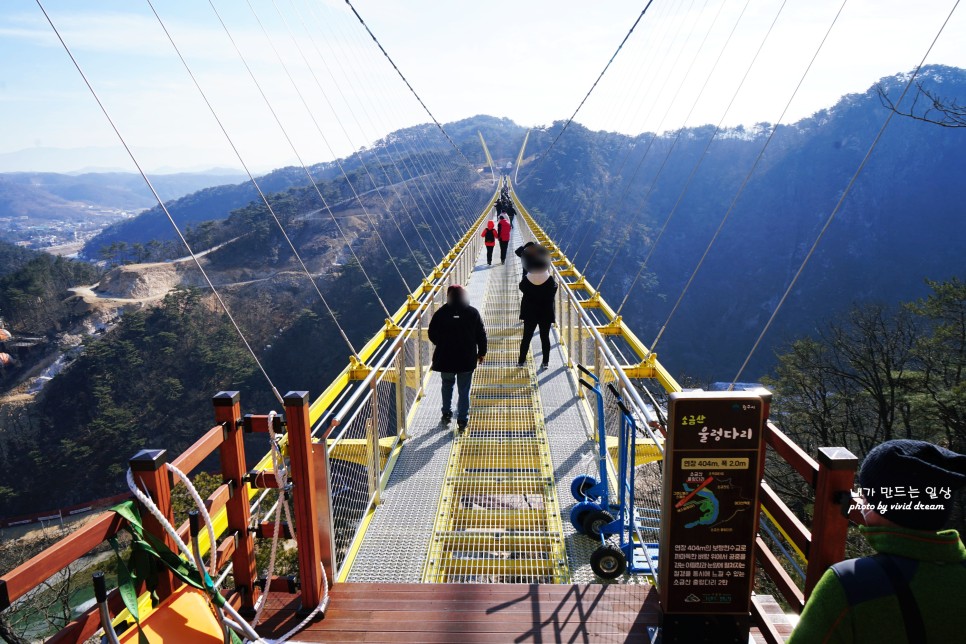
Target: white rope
[
  {"x": 281, "y": 480},
  {"x": 203, "y": 509},
  {"x": 236, "y": 621},
  {"x": 152, "y": 507}
]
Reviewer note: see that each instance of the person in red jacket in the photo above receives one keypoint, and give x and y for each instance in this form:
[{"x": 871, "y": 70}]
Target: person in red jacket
[
  {"x": 489, "y": 240},
  {"x": 503, "y": 233}
]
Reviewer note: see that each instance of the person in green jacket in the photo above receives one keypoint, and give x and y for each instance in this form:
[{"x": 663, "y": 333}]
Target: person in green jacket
[{"x": 914, "y": 589}]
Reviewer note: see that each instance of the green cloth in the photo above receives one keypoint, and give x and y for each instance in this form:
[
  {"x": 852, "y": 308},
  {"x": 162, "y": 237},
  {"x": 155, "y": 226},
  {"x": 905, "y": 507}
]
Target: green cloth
[{"x": 939, "y": 586}]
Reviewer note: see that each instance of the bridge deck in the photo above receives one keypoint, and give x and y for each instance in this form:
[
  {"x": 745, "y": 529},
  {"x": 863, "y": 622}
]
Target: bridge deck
[
  {"x": 476, "y": 613},
  {"x": 543, "y": 437}
]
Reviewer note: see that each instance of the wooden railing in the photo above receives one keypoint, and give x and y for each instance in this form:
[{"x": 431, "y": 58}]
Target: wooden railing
[
  {"x": 229, "y": 506},
  {"x": 831, "y": 477}
]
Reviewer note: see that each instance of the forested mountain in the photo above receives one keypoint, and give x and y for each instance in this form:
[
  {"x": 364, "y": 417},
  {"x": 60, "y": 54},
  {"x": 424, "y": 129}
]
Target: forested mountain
[
  {"x": 13, "y": 257},
  {"x": 903, "y": 221},
  {"x": 503, "y": 136}
]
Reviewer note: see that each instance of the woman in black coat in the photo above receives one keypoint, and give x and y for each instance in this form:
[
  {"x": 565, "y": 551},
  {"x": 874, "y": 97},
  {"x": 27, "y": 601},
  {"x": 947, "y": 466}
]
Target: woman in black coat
[{"x": 536, "y": 309}]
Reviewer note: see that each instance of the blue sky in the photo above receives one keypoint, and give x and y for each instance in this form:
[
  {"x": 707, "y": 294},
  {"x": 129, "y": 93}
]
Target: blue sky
[{"x": 528, "y": 60}]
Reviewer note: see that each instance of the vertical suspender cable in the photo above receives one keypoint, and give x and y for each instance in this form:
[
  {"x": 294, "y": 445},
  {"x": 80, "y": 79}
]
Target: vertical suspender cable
[
  {"x": 298, "y": 156},
  {"x": 390, "y": 183},
  {"x": 704, "y": 154},
  {"x": 761, "y": 153},
  {"x": 251, "y": 178},
  {"x": 572, "y": 232},
  {"x": 845, "y": 194},
  {"x": 590, "y": 91},
  {"x": 433, "y": 182},
  {"x": 154, "y": 192},
  {"x": 325, "y": 140},
  {"x": 469, "y": 164},
  {"x": 650, "y": 142}
]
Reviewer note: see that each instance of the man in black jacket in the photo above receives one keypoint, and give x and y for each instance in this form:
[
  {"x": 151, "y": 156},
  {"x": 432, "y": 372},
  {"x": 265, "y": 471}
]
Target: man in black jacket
[{"x": 457, "y": 331}]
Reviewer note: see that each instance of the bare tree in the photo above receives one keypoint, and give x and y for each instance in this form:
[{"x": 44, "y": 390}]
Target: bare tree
[
  {"x": 929, "y": 107},
  {"x": 47, "y": 608}
]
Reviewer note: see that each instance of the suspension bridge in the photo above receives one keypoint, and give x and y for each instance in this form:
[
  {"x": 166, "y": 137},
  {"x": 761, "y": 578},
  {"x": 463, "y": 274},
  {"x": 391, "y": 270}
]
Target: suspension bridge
[{"x": 556, "y": 515}]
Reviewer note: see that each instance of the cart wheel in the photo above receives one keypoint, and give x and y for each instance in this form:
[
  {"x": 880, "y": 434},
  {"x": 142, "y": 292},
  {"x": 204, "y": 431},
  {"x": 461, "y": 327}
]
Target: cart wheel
[
  {"x": 608, "y": 562},
  {"x": 579, "y": 512},
  {"x": 595, "y": 521},
  {"x": 580, "y": 486}
]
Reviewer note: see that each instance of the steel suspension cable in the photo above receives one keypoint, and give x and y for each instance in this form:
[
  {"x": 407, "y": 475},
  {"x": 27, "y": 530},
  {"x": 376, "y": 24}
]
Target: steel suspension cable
[
  {"x": 160, "y": 201},
  {"x": 430, "y": 184},
  {"x": 761, "y": 152},
  {"x": 594, "y": 85},
  {"x": 694, "y": 104},
  {"x": 677, "y": 134},
  {"x": 626, "y": 238},
  {"x": 298, "y": 156},
  {"x": 251, "y": 177},
  {"x": 431, "y": 180},
  {"x": 563, "y": 233},
  {"x": 380, "y": 163},
  {"x": 325, "y": 139},
  {"x": 361, "y": 159},
  {"x": 398, "y": 71},
  {"x": 569, "y": 233},
  {"x": 647, "y": 149},
  {"x": 842, "y": 198}
]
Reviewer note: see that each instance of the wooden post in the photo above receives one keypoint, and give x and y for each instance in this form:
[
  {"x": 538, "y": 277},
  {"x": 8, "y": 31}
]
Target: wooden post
[
  {"x": 323, "y": 505},
  {"x": 150, "y": 469},
  {"x": 836, "y": 475},
  {"x": 233, "y": 470},
  {"x": 302, "y": 463}
]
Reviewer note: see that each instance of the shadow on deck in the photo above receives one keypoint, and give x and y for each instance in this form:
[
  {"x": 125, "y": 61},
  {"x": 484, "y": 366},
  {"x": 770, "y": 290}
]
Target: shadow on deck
[{"x": 471, "y": 613}]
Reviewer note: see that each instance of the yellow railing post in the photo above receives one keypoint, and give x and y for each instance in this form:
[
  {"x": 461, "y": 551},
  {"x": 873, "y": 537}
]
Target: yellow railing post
[
  {"x": 372, "y": 438},
  {"x": 401, "y": 413}
]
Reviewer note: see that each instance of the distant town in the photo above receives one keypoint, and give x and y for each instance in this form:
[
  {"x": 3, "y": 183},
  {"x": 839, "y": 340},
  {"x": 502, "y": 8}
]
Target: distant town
[{"x": 60, "y": 236}]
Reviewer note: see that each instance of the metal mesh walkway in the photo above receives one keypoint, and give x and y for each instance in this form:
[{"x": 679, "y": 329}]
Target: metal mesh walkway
[
  {"x": 499, "y": 520},
  {"x": 397, "y": 539},
  {"x": 491, "y": 506}
]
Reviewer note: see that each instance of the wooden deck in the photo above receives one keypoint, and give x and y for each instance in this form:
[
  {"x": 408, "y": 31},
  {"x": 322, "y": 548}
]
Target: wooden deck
[{"x": 474, "y": 613}]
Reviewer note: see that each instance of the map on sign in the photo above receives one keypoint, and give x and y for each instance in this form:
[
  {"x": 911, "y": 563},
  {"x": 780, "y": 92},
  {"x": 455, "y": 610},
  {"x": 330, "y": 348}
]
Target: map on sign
[
  {"x": 707, "y": 504},
  {"x": 711, "y": 503}
]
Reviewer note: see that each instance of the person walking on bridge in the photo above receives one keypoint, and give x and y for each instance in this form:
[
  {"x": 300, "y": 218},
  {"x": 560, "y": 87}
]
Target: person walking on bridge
[
  {"x": 503, "y": 234},
  {"x": 914, "y": 589},
  {"x": 532, "y": 253},
  {"x": 460, "y": 338},
  {"x": 511, "y": 211},
  {"x": 489, "y": 240},
  {"x": 536, "y": 309}
]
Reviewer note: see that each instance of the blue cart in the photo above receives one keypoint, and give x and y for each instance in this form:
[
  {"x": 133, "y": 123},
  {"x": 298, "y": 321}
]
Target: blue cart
[{"x": 597, "y": 516}]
